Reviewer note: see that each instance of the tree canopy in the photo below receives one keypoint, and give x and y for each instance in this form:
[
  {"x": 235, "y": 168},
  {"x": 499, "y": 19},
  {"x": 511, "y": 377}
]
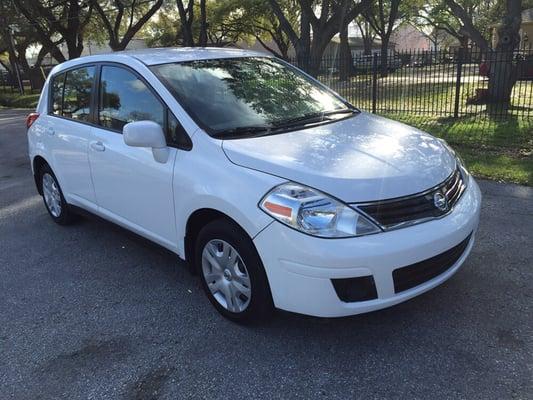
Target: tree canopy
[{"x": 303, "y": 28}]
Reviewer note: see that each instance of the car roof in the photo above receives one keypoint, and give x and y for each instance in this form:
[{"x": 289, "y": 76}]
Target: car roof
[
  {"x": 177, "y": 54},
  {"x": 154, "y": 56}
]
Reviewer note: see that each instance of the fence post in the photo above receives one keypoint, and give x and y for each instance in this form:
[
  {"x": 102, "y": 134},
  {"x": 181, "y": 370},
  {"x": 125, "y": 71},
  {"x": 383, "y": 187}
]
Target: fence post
[
  {"x": 458, "y": 83},
  {"x": 374, "y": 82}
]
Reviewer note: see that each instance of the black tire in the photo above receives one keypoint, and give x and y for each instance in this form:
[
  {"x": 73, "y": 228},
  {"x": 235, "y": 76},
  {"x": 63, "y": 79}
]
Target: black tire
[
  {"x": 260, "y": 305},
  {"x": 65, "y": 215}
]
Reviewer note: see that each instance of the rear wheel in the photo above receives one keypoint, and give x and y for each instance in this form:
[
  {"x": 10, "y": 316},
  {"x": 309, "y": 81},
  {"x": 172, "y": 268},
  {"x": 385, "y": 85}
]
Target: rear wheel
[
  {"x": 53, "y": 198},
  {"x": 232, "y": 273}
]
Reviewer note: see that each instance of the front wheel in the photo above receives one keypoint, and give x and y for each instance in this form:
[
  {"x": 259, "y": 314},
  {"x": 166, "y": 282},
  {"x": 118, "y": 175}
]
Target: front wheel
[{"x": 232, "y": 273}]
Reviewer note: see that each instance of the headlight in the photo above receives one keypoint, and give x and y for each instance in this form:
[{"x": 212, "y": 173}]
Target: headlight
[{"x": 314, "y": 213}]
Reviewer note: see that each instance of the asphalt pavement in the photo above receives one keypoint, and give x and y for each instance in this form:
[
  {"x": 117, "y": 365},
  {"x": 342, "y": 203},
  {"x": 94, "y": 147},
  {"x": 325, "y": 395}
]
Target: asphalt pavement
[{"x": 91, "y": 311}]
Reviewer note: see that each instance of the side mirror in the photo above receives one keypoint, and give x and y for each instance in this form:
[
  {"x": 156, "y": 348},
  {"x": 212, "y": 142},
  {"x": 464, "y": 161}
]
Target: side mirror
[{"x": 147, "y": 134}]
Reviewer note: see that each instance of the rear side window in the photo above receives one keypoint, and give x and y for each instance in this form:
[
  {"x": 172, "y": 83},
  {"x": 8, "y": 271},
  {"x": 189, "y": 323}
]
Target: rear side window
[
  {"x": 57, "y": 94},
  {"x": 77, "y": 94},
  {"x": 125, "y": 98},
  {"x": 71, "y": 93}
]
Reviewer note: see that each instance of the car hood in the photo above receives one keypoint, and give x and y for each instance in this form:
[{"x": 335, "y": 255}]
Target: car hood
[{"x": 358, "y": 159}]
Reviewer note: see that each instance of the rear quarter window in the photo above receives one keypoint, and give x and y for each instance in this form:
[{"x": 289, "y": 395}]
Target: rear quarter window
[
  {"x": 71, "y": 92},
  {"x": 56, "y": 98},
  {"x": 77, "y": 93}
]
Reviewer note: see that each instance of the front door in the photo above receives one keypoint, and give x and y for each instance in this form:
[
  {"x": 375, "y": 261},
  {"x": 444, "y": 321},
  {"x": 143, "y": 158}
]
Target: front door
[{"x": 131, "y": 187}]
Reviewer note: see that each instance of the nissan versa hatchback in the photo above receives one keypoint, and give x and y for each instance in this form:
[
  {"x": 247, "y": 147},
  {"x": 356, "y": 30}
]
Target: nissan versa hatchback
[{"x": 278, "y": 192}]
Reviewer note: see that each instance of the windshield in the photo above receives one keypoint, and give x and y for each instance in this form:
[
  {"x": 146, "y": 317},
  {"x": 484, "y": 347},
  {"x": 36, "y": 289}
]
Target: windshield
[{"x": 235, "y": 97}]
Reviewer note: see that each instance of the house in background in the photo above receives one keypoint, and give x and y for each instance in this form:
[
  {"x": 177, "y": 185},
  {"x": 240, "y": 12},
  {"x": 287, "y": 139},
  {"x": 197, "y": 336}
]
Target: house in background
[
  {"x": 406, "y": 38},
  {"x": 357, "y": 47}
]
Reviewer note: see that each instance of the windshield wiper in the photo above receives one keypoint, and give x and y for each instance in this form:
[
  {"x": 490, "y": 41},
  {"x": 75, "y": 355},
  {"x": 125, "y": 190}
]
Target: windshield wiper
[
  {"x": 312, "y": 118},
  {"x": 263, "y": 130},
  {"x": 242, "y": 131}
]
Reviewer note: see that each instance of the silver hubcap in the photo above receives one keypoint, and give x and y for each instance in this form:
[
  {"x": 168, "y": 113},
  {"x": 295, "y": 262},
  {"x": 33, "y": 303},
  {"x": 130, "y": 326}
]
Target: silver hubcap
[
  {"x": 52, "y": 197},
  {"x": 226, "y": 275}
]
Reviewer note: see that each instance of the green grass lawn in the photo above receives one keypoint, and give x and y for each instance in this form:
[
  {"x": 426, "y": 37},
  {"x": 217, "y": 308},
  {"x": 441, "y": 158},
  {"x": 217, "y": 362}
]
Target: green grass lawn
[
  {"x": 429, "y": 90},
  {"x": 495, "y": 149},
  {"x": 500, "y": 167},
  {"x": 15, "y": 100}
]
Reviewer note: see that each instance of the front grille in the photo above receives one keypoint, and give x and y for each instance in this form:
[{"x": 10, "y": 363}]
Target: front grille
[
  {"x": 416, "y": 208},
  {"x": 420, "y": 272}
]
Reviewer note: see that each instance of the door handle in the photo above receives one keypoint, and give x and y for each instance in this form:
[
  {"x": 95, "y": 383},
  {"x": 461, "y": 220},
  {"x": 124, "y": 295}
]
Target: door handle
[
  {"x": 50, "y": 131},
  {"x": 97, "y": 146}
]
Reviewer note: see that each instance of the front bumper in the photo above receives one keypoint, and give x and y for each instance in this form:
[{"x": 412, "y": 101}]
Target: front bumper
[{"x": 300, "y": 268}]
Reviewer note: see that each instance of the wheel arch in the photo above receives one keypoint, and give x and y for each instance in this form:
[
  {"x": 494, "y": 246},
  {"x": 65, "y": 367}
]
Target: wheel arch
[
  {"x": 37, "y": 164},
  {"x": 196, "y": 221}
]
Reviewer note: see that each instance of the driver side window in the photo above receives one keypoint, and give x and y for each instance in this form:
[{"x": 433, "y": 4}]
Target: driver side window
[{"x": 125, "y": 98}]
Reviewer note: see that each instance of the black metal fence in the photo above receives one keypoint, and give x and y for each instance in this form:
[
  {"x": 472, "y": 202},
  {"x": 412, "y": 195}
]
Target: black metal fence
[
  {"x": 445, "y": 83},
  {"x": 454, "y": 83},
  {"x": 32, "y": 81}
]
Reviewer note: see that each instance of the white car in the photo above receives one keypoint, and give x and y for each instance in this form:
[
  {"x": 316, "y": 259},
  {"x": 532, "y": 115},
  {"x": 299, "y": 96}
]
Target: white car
[{"x": 278, "y": 192}]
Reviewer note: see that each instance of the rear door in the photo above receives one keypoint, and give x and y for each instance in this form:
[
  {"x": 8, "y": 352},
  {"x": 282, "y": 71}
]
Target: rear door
[
  {"x": 131, "y": 187},
  {"x": 68, "y": 131}
]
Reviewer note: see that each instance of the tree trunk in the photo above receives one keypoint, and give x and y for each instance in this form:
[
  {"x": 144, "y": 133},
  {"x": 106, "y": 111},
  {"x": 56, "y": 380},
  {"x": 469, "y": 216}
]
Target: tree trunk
[
  {"x": 463, "y": 42},
  {"x": 313, "y": 68},
  {"x": 115, "y": 30},
  {"x": 37, "y": 72},
  {"x": 23, "y": 61},
  {"x": 187, "y": 37},
  {"x": 316, "y": 56},
  {"x": 283, "y": 49},
  {"x": 281, "y": 41},
  {"x": 345, "y": 55},
  {"x": 40, "y": 57},
  {"x": 384, "y": 57},
  {"x": 503, "y": 70},
  {"x": 57, "y": 54},
  {"x": 367, "y": 45},
  {"x": 13, "y": 61},
  {"x": 502, "y": 77},
  {"x": 367, "y": 36},
  {"x": 309, "y": 52},
  {"x": 74, "y": 47},
  {"x": 303, "y": 57},
  {"x": 202, "y": 40},
  {"x": 117, "y": 46},
  {"x": 303, "y": 46},
  {"x": 73, "y": 33},
  {"x": 186, "y": 19}
]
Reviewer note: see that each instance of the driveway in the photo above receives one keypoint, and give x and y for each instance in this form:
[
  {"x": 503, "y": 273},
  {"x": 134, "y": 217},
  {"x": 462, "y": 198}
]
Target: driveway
[{"x": 91, "y": 311}]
